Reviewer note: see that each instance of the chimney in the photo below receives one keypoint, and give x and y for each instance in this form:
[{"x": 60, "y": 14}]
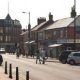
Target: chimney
[
  {"x": 40, "y": 20},
  {"x": 50, "y": 17},
  {"x": 73, "y": 12}
]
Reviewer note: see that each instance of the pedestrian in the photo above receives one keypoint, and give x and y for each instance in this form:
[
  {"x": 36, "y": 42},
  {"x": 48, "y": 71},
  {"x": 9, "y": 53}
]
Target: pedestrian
[
  {"x": 1, "y": 60},
  {"x": 17, "y": 52},
  {"x": 38, "y": 56},
  {"x": 43, "y": 53}
]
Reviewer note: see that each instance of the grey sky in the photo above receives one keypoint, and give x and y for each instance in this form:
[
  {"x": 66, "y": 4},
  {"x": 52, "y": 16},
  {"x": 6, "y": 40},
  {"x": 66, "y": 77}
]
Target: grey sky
[{"x": 38, "y": 8}]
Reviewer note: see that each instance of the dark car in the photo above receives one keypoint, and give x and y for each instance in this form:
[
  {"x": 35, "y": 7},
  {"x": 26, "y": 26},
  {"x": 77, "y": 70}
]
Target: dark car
[
  {"x": 1, "y": 60},
  {"x": 64, "y": 55}
]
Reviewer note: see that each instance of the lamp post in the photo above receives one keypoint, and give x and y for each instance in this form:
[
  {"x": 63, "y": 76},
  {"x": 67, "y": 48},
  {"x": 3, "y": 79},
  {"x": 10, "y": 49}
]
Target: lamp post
[
  {"x": 74, "y": 15},
  {"x": 37, "y": 39},
  {"x": 29, "y": 31}
]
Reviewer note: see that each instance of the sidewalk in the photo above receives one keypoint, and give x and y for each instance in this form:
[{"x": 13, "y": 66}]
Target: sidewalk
[
  {"x": 4, "y": 76},
  {"x": 52, "y": 60}
]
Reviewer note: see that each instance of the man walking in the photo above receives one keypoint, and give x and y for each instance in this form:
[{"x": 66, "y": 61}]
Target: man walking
[
  {"x": 38, "y": 56},
  {"x": 43, "y": 53},
  {"x": 1, "y": 60}
]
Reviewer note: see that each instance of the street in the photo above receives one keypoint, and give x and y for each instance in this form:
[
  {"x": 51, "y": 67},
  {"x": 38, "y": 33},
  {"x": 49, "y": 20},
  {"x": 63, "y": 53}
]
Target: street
[{"x": 49, "y": 71}]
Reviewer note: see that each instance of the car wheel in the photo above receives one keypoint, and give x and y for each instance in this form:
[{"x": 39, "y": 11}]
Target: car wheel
[
  {"x": 63, "y": 61},
  {"x": 72, "y": 62}
]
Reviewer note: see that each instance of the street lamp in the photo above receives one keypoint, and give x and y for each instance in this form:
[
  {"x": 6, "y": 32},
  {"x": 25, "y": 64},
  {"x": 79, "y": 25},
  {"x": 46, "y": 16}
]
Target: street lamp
[
  {"x": 74, "y": 15},
  {"x": 29, "y": 32}
]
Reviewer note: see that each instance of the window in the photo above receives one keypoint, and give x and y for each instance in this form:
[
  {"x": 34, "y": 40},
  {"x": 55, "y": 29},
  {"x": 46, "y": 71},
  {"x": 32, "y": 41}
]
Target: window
[
  {"x": 61, "y": 34},
  {"x": 54, "y": 33},
  {"x": 49, "y": 35},
  {"x": 40, "y": 37},
  {"x": 66, "y": 33},
  {"x": 1, "y": 38},
  {"x": 6, "y": 29},
  {"x": 1, "y": 30},
  {"x": 8, "y": 38}
]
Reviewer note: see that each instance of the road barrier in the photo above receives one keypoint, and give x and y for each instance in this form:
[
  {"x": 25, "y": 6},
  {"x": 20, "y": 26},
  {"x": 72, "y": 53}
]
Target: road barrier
[
  {"x": 6, "y": 67},
  {"x": 10, "y": 71},
  {"x": 27, "y": 75},
  {"x": 17, "y": 74}
]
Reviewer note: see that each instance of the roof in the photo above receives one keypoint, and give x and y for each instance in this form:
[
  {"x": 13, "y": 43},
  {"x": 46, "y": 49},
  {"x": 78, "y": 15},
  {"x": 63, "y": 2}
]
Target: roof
[
  {"x": 61, "y": 23},
  {"x": 24, "y": 32},
  {"x": 8, "y": 17},
  {"x": 38, "y": 26}
]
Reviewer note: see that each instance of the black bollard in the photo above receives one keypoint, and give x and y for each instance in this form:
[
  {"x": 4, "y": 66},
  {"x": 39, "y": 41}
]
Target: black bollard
[
  {"x": 10, "y": 71},
  {"x": 17, "y": 74},
  {"x": 27, "y": 75},
  {"x": 5, "y": 67}
]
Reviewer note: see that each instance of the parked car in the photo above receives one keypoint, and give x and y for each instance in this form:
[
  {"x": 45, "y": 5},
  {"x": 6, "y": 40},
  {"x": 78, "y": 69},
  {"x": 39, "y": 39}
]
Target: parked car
[
  {"x": 1, "y": 59},
  {"x": 74, "y": 58},
  {"x": 64, "y": 55},
  {"x": 2, "y": 50}
]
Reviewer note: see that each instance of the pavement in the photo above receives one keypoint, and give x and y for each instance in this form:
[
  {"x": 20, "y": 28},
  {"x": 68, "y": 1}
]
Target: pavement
[{"x": 4, "y": 76}]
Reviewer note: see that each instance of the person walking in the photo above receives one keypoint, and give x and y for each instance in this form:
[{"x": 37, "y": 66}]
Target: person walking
[
  {"x": 38, "y": 56},
  {"x": 18, "y": 51},
  {"x": 43, "y": 53},
  {"x": 1, "y": 59}
]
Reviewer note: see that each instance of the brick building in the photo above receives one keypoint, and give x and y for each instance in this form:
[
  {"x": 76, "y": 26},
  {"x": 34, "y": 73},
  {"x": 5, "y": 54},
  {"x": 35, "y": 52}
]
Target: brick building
[
  {"x": 64, "y": 31},
  {"x": 10, "y": 31}
]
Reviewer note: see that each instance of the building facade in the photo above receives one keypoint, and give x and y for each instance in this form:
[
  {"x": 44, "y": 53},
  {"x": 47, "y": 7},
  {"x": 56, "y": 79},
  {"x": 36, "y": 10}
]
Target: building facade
[
  {"x": 65, "y": 32},
  {"x": 10, "y": 31},
  {"x": 36, "y": 37}
]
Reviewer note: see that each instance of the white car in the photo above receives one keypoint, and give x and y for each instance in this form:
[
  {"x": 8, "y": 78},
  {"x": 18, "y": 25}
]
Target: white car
[
  {"x": 2, "y": 50},
  {"x": 73, "y": 58}
]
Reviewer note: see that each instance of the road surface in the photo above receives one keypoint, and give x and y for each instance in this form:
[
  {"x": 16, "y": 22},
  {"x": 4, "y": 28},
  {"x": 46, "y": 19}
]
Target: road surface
[{"x": 48, "y": 71}]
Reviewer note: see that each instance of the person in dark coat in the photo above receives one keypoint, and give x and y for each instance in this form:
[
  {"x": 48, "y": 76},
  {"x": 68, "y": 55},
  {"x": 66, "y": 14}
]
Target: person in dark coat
[
  {"x": 1, "y": 60},
  {"x": 38, "y": 56}
]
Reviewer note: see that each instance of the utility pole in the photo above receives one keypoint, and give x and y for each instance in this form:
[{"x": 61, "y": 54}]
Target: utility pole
[
  {"x": 74, "y": 24},
  {"x": 29, "y": 32}
]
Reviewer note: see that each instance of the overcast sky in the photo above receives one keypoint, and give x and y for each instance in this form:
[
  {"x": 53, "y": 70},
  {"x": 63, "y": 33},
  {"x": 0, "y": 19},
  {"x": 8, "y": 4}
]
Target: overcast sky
[{"x": 38, "y": 8}]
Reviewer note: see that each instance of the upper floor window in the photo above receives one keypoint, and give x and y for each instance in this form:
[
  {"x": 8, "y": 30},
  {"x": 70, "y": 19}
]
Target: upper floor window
[
  {"x": 49, "y": 35},
  {"x": 54, "y": 33},
  {"x": 66, "y": 33},
  {"x": 1, "y": 30},
  {"x": 40, "y": 36},
  {"x": 61, "y": 34},
  {"x": 8, "y": 38},
  {"x": 1, "y": 38}
]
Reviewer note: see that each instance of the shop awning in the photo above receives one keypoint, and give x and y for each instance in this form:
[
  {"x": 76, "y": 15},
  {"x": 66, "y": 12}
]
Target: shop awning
[
  {"x": 29, "y": 42},
  {"x": 54, "y": 45}
]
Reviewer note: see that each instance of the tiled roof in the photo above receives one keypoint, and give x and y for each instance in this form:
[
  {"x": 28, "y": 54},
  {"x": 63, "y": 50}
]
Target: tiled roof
[
  {"x": 24, "y": 33},
  {"x": 61, "y": 23},
  {"x": 38, "y": 26}
]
